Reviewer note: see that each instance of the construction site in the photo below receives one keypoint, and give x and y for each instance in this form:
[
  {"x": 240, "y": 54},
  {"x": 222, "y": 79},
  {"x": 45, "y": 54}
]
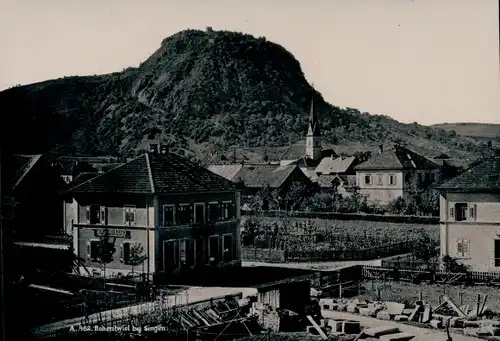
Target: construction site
[{"x": 274, "y": 303}]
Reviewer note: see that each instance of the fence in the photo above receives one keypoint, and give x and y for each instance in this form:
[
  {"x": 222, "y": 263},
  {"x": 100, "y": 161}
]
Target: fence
[
  {"x": 417, "y": 276},
  {"x": 431, "y": 220},
  {"x": 282, "y": 256}
]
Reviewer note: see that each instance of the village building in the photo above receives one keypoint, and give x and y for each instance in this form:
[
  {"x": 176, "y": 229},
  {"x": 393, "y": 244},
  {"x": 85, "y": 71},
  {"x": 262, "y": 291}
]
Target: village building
[
  {"x": 470, "y": 216},
  {"x": 393, "y": 173},
  {"x": 184, "y": 216},
  {"x": 337, "y": 173},
  {"x": 32, "y": 185}
]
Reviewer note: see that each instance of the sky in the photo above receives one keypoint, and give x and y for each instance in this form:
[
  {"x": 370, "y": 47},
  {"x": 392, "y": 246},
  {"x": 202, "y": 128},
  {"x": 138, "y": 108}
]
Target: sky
[{"x": 425, "y": 61}]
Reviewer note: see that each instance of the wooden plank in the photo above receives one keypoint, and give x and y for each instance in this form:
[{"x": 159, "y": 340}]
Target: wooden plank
[
  {"x": 454, "y": 306},
  {"x": 481, "y": 310},
  {"x": 318, "y": 329}
]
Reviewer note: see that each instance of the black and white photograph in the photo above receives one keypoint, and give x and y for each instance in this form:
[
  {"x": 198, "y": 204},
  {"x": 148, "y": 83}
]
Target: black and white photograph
[{"x": 225, "y": 170}]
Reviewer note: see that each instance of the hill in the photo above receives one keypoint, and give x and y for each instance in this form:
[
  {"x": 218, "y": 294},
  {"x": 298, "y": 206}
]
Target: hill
[
  {"x": 209, "y": 92},
  {"x": 475, "y": 130}
]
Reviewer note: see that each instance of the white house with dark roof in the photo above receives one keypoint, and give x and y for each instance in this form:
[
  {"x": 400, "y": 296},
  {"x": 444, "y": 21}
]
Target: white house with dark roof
[
  {"x": 184, "y": 216},
  {"x": 470, "y": 216},
  {"x": 391, "y": 174},
  {"x": 337, "y": 173}
]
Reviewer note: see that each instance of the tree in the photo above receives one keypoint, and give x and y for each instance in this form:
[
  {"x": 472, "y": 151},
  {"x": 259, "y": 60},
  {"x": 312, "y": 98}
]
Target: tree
[
  {"x": 424, "y": 248},
  {"x": 137, "y": 256},
  {"x": 105, "y": 251}
]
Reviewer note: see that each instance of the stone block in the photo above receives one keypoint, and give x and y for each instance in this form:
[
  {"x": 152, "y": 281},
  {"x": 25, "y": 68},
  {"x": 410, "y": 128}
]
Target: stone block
[
  {"x": 471, "y": 332},
  {"x": 365, "y": 311},
  {"x": 436, "y": 324},
  {"x": 407, "y": 311},
  {"x": 379, "y": 331},
  {"x": 456, "y": 322},
  {"x": 426, "y": 316},
  {"x": 397, "y": 337},
  {"x": 352, "y": 309},
  {"x": 394, "y": 308},
  {"x": 471, "y": 324},
  {"x": 383, "y": 315},
  {"x": 401, "y": 318},
  {"x": 351, "y": 327},
  {"x": 336, "y": 325}
]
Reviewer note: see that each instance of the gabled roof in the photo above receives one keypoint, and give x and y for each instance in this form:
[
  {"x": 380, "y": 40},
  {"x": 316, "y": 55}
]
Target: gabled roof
[
  {"x": 226, "y": 171},
  {"x": 397, "y": 158},
  {"x": 305, "y": 161},
  {"x": 16, "y": 167},
  {"x": 334, "y": 166},
  {"x": 257, "y": 176},
  {"x": 481, "y": 177},
  {"x": 156, "y": 173}
]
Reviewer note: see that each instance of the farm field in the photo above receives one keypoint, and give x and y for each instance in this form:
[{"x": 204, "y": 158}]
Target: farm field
[
  {"x": 321, "y": 234},
  {"x": 408, "y": 293}
]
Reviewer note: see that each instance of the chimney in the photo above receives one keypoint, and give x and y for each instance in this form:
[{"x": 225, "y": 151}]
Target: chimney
[
  {"x": 153, "y": 148},
  {"x": 381, "y": 148},
  {"x": 164, "y": 149}
]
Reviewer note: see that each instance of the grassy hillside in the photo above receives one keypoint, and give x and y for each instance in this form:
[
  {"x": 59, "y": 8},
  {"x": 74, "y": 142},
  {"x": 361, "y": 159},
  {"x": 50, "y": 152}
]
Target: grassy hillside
[
  {"x": 208, "y": 93},
  {"x": 481, "y": 130}
]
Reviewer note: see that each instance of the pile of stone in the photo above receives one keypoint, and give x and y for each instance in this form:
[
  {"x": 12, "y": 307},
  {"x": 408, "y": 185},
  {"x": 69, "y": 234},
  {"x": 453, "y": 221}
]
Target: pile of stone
[
  {"x": 446, "y": 315},
  {"x": 267, "y": 317}
]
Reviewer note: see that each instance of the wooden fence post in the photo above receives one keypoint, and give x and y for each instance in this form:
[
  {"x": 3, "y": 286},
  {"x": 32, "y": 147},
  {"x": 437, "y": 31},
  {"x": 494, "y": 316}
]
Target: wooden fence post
[
  {"x": 420, "y": 296},
  {"x": 340, "y": 290},
  {"x": 378, "y": 295}
]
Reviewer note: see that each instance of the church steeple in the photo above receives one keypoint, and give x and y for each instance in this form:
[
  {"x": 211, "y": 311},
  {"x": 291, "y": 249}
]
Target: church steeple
[
  {"x": 313, "y": 138},
  {"x": 313, "y": 122}
]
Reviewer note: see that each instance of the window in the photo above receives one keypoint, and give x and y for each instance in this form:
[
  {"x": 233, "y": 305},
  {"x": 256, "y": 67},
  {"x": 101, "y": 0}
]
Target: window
[
  {"x": 368, "y": 179},
  {"x": 227, "y": 210},
  {"x": 187, "y": 252},
  {"x": 183, "y": 214},
  {"x": 170, "y": 255},
  {"x": 168, "y": 215},
  {"x": 213, "y": 249},
  {"x": 199, "y": 213},
  {"x": 227, "y": 248},
  {"x": 392, "y": 180},
  {"x": 129, "y": 214},
  {"x": 125, "y": 251},
  {"x": 463, "y": 247},
  {"x": 463, "y": 212},
  {"x": 93, "y": 250},
  {"x": 380, "y": 179},
  {"x": 96, "y": 214},
  {"x": 213, "y": 211}
]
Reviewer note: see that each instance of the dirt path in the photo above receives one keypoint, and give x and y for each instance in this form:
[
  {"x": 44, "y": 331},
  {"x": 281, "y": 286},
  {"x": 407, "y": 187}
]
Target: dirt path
[{"x": 421, "y": 334}]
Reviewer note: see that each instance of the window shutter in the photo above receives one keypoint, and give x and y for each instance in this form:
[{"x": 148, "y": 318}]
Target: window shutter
[
  {"x": 233, "y": 210},
  {"x": 466, "y": 247},
  {"x": 452, "y": 213},
  {"x": 475, "y": 212},
  {"x": 121, "y": 253},
  {"x": 220, "y": 212},
  {"x": 460, "y": 250},
  {"x": 191, "y": 213},
  {"x": 87, "y": 214},
  {"x": 88, "y": 250},
  {"x": 103, "y": 215}
]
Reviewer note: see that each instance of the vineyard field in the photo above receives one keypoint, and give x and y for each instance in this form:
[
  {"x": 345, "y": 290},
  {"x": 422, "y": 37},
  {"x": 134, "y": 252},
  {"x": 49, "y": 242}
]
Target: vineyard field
[{"x": 320, "y": 234}]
